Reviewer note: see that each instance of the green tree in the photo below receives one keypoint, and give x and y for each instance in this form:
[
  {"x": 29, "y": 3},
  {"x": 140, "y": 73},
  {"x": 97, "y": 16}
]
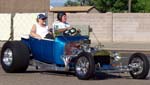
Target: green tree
[
  {"x": 78, "y": 3},
  {"x": 104, "y": 5},
  {"x": 146, "y": 5},
  {"x": 113, "y": 5},
  {"x": 85, "y": 2},
  {"x": 71, "y": 3},
  {"x": 118, "y": 5},
  {"x": 137, "y": 6}
]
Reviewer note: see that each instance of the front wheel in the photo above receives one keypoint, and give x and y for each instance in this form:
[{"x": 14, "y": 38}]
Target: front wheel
[
  {"x": 140, "y": 66},
  {"x": 85, "y": 66}
]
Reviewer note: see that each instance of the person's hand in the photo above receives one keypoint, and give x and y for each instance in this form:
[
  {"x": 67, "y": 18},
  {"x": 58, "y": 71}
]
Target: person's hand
[
  {"x": 69, "y": 27},
  {"x": 78, "y": 30},
  {"x": 50, "y": 30}
]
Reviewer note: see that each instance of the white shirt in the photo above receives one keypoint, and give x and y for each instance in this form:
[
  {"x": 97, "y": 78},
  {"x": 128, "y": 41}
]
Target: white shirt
[
  {"x": 42, "y": 31},
  {"x": 59, "y": 25}
]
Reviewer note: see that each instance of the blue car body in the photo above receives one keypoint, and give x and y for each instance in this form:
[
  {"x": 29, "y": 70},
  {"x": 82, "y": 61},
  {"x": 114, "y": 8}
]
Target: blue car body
[{"x": 50, "y": 51}]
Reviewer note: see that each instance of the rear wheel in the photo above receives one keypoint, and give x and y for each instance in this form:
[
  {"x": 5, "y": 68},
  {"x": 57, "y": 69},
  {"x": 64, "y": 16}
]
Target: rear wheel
[
  {"x": 85, "y": 66},
  {"x": 139, "y": 65},
  {"x": 14, "y": 57}
]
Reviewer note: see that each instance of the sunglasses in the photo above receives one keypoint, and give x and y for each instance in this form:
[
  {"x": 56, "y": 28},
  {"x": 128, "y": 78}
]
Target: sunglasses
[{"x": 43, "y": 19}]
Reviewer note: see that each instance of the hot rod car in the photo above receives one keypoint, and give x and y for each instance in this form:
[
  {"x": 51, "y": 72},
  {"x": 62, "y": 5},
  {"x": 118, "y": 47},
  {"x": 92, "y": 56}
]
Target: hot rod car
[{"x": 68, "y": 53}]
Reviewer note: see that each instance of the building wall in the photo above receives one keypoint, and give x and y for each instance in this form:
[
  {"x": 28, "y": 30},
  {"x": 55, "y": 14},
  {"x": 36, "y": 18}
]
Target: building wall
[
  {"x": 131, "y": 27},
  {"x": 114, "y": 27},
  {"x": 24, "y": 6},
  {"x": 22, "y": 25},
  {"x": 5, "y": 26},
  {"x": 107, "y": 27},
  {"x": 101, "y": 24}
]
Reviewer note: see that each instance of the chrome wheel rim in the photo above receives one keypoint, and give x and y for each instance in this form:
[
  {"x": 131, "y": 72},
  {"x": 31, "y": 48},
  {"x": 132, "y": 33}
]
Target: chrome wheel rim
[
  {"x": 138, "y": 66},
  {"x": 82, "y": 66},
  {"x": 8, "y": 57}
]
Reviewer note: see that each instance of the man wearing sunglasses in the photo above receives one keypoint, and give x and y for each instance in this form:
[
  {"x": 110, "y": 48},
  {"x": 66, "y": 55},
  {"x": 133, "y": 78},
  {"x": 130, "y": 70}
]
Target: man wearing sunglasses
[{"x": 40, "y": 29}]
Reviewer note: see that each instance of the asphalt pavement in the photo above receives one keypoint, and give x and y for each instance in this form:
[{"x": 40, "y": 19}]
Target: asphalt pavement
[{"x": 32, "y": 77}]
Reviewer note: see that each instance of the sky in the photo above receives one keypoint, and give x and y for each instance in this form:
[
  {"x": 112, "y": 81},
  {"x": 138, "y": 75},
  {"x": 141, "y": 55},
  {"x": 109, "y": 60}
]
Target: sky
[{"x": 55, "y": 3}]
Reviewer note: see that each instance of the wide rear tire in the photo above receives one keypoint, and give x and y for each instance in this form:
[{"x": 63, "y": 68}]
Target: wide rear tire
[{"x": 14, "y": 57}]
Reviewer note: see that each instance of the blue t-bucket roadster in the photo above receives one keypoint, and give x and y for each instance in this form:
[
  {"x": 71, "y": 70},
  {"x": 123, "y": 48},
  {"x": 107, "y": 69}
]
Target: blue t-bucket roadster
[{"x": 68, "y": 53}]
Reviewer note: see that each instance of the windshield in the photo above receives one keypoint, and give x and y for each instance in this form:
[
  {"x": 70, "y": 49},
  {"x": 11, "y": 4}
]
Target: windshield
[{"x": 84, "y": 30}]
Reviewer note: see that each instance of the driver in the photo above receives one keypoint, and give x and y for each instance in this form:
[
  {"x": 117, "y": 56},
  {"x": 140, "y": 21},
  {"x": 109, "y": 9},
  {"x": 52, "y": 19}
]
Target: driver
[{"x": 61, "y": 25}]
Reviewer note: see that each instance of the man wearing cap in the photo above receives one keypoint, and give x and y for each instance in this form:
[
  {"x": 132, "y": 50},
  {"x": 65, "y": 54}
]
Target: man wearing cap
[{"x": 40, "y": 29}]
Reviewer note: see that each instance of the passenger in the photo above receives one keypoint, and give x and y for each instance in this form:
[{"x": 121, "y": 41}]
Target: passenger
[
  {"x": 61, "y": 25},
  {"x": 40, "y": 29}
]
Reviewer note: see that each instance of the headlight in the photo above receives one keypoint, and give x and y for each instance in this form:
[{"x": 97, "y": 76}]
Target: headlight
[
  {"x": 116, "y": 56},
  {"x": 86, "y": 47}
]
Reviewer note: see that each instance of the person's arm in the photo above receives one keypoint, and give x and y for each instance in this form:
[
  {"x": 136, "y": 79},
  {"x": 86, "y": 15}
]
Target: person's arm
[
  {"x": 33, "y": 32},
  {"x": 59, "y": 27},
  {"x": 63, "y": 29}
]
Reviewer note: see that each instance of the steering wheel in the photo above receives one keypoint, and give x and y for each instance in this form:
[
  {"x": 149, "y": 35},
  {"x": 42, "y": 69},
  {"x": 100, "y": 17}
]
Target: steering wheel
[{"x": 70, "y": 32}]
